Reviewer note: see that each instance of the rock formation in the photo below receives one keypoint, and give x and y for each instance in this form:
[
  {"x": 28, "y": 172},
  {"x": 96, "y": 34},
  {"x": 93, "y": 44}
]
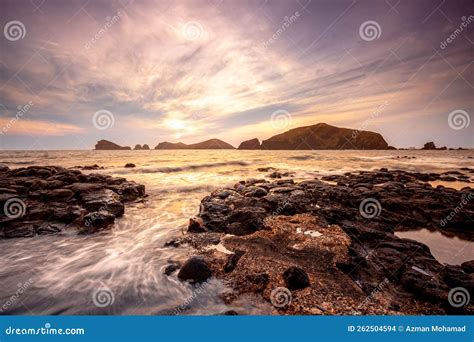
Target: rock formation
[
  {"x": 252, "y": 144},
  {"x": 40, "y": 200},
  {"x": 108, "y": 145},
  {"x": 325, "y": 137},
  {"x": 211, "y": 144},
  {"x": 328, "y": 247}
]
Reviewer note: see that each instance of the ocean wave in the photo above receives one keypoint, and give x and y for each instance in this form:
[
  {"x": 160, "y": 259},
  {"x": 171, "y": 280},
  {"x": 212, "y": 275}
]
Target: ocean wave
[
  {"x": 305, "y": 157},
  {"x": 21, "y": 162},
  {"x": 183, "y": 189},
  {"x": 180, "y": 168}
]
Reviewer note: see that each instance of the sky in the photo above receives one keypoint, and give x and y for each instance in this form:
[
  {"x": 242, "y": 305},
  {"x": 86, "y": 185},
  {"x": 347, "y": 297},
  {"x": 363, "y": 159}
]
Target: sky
[{"x": 136, "y": 72}]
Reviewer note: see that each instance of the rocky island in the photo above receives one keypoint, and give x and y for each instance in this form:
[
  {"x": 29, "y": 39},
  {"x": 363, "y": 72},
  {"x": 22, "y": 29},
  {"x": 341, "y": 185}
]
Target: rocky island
[
  {"x": 211, "y": 144},
  {"x": 325, "y": 137},
  {"x": 316, "y": 137},
  {"x": 108, "y": 145}
]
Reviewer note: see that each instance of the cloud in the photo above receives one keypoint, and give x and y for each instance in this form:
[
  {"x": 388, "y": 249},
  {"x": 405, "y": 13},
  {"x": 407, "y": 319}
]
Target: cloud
[
  {"x": 198, "y": 69},
  {"x": 14, "y": 126}
]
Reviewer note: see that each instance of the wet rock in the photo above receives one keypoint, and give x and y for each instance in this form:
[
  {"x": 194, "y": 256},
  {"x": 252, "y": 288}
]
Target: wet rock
[
  {"x": 195, "y": 269},
  {"x": 231, "y": 313},
  {"x": 232, "y": 261},
  {"x": 60, "y": 194},
  {"x": 52, "y": 198},
  {"x": 171, "y": 268},
  {"x": 196, "y": 225},
  {"x": 19, "y": 229},
  {"x": 255, "y": 191},
  {"x": 102, "y": 200},
  {"x": 50, "y": 228},
  {"x": 258, "y": 279},
  {"x": 316, "y": 230},
  {"x": 89, "y": 167},
  {"x": 296, "y": 278},
  {"x": 266, "y": 169},
  {"x": 245, "y": 220},
  {"x": 96, "y": 221},
  {"x": 468, "y": 266},
  {"x": 278, "y": 174},
  {"x": 172, "y": 243}
]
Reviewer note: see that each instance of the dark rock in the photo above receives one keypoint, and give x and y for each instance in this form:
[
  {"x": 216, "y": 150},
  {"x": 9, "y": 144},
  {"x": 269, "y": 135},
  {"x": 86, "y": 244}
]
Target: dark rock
[
  {"x": 195, "y": 269},
  {"x": 50, "y": 228},
  {"x": 245, "y": 220},
  {"x": 90, "y": 167},
  {"x": 253, "y": 144},
  {"x": 266, "y": 169},
  {"x": 196, "y": 225},
  {"x": 172, "y": 243},
  {"x": 60, "y": 194},
  {"x": 138, "y": 147},
  {"x": 429, "y": 146},
  {"x": 468, "y": 266},
  {"x": 108, "y": 145},
  {"x": 93, "y": 222},
  {"x": 296, "y": 278},
  {"x": 325, "y": 137},
  {"x": 170, "y": 269},
  {"x": 233, "y": 260},
  {"x": 145, "y": 147},
  {"x": 129, "y": 165},
  {"x": 258, "y": 279},
  {"x": 19, "y": 229},
  {"x": 255, "y": 191},
  {"x": 102, "y": 200},
  {"x": 211, "y": 144},
  {"x": 231, "y": 313},
  {"x": 278, "y": 174}
]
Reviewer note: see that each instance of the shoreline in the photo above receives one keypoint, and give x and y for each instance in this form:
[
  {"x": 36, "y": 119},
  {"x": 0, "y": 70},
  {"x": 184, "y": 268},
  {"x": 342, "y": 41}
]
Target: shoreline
[{"x": 310, "y": 236}]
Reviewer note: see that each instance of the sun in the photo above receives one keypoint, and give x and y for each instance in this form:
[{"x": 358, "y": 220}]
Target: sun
[{"x": 176, "y": 124}]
